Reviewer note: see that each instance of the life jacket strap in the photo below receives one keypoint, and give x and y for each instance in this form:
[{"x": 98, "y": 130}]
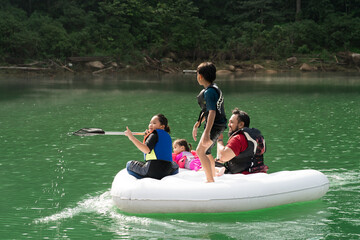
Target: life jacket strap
[
  {"x": 146, "y": 136},
  {"x": 201, "y": 117}
]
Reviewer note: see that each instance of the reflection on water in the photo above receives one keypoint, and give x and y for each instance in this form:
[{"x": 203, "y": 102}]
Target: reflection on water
[
  {"x": 56, "y": 185},
  {"x": 291, "y": 82}
]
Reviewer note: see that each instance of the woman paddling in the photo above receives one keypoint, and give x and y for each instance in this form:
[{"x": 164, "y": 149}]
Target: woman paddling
[{"x": 157, "y": 149}]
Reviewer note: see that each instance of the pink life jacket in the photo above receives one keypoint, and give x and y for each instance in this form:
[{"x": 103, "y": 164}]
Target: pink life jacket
[{"x": 188, "y": 160}]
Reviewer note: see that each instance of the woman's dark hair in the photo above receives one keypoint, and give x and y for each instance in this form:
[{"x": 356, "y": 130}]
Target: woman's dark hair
[
  {"x": 183, "y": 143},
  {"x": 242, "y": 117},
  {"x": 208, "y": 71},
  {"x": 163, "y": 121}
]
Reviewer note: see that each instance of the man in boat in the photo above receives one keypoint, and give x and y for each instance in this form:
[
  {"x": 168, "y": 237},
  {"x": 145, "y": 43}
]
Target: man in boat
[{"x": 245, "y": 148}]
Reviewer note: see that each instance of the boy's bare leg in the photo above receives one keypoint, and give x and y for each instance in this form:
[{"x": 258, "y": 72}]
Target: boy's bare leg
[
  {"x": 205, "y": 162},
  {"x": 212, "y": 163}
]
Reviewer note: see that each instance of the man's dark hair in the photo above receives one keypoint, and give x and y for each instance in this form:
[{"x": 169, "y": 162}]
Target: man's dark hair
[
  {"x": 208, "y": 71},
  {"x": 242, "y": 117}
]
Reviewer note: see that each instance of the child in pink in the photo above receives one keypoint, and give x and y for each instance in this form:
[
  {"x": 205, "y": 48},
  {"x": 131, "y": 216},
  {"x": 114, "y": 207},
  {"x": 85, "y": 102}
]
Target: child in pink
[{"x": 184, "y": 156}]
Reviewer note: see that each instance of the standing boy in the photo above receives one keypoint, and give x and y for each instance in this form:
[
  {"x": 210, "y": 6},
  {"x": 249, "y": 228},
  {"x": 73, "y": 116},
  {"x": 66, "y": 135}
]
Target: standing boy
[{"x": 211, "y": 102}]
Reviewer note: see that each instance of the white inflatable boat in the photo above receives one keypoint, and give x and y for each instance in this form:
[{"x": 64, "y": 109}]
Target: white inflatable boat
[{"x": 188, "y": 192}]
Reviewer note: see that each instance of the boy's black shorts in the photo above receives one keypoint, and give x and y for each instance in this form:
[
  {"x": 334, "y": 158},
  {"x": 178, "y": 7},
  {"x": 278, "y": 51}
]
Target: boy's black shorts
[{"x": 214, "y": 135}]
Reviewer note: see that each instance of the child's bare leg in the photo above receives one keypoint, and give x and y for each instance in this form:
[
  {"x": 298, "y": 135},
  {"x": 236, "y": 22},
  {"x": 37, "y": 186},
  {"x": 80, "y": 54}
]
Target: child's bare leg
[
  {"x": 205, "y": 162},
  {"x": 212, "y": 163}
]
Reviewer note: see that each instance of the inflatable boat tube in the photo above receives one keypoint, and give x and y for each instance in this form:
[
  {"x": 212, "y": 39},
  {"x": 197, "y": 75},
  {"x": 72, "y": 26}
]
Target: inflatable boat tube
[{"x": 188, "y": 192}]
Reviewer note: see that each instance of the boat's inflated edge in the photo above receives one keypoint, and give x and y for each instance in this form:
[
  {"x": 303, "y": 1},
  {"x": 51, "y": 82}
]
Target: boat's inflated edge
[{"x": 188, "y": 192}]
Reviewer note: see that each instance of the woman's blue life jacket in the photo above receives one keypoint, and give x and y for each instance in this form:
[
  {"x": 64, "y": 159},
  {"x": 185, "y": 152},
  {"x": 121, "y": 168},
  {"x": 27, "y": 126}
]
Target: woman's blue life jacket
[
  {"x": 220, "y": 118},
  {"x": 162, "y": 149},
  {"x": 253, "y": 156}
]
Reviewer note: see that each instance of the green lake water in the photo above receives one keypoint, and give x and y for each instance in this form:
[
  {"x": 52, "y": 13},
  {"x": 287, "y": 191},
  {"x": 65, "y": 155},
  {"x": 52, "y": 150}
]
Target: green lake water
[{"x": 57, "y": 186}]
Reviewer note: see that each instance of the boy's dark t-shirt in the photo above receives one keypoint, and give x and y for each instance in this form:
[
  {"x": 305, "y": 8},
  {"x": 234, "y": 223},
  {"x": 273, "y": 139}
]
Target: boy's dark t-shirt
[{"x": 211, "y": 97}]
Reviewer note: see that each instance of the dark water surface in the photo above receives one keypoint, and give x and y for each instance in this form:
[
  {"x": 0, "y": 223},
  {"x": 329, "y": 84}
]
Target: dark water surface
[{"x": 56, "y": 186}]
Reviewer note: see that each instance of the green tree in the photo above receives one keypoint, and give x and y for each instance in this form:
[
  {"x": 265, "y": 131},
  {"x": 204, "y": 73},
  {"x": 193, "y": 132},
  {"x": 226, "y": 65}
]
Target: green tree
[
  {"x": 54, "y": 40},
  {"x": 343, "y": 32},
  {"x": 202, "y": 29},
  {"x": 182, "y": 31},
  {"x": 16, "y": 40}
]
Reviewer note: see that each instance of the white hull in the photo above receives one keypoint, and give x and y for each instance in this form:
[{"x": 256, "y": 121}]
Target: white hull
[{"x": 188, "y": 192}]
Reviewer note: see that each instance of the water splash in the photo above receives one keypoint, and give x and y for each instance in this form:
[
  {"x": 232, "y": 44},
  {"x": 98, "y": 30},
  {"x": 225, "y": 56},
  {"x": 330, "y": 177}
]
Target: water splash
[
  {"x": 342, "y": 178},
  {"x": 101, "y": 204},
  {"x": 120, "y": 224}
]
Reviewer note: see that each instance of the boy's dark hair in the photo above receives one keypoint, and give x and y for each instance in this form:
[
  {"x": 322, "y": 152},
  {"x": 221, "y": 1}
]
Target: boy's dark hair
[
  {"x": 163, "y": 121},
  {"x": 242, "y": 117},
  {"x": 208, "y": 71}
]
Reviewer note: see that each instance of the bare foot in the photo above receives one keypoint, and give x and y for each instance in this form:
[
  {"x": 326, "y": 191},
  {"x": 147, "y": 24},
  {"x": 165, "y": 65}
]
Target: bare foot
[{"x": 220, "y": 172}]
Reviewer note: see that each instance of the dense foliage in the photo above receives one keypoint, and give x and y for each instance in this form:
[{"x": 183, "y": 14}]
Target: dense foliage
[{"x": 128, "y": 29}]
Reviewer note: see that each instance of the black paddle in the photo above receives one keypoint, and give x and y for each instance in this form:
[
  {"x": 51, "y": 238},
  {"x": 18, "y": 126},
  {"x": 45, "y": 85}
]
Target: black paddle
[{"x": 98, "y": 131}]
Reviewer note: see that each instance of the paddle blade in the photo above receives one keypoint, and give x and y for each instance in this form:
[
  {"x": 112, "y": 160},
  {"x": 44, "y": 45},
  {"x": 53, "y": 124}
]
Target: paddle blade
[{"x": 89, "y": 132}]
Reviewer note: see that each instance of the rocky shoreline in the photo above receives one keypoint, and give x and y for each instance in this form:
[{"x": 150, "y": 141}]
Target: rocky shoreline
[{"x": 342, "y": 62}]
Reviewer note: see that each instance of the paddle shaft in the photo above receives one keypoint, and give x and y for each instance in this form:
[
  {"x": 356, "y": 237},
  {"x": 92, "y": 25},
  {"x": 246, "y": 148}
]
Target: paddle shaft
[{"x": 122, "y": 133}]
